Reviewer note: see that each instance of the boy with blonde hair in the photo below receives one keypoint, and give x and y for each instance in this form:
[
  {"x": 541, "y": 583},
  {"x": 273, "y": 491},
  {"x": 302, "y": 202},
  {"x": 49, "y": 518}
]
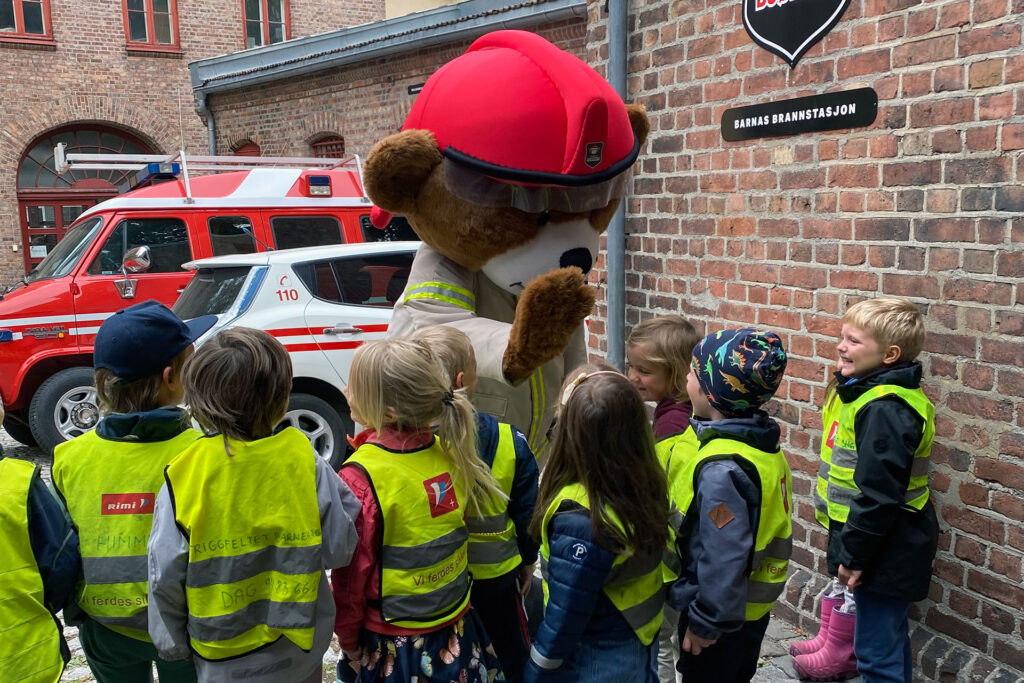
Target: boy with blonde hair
[
  {"x": 502, "y": 554},
  {"x": 873, "y": 493}
]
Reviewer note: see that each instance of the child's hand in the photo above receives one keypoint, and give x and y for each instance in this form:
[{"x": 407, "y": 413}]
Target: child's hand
[
  {"x": 849, "y": 577},
  {"x": 694, "y": 644},
  {"x": 354, "y": 658},
  {"x": 525, "y": 579}
]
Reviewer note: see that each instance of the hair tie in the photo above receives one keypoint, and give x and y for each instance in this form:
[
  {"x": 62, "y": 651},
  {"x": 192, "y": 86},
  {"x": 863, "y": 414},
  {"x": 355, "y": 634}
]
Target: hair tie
[
  {"x": 449, "y": 398},
  {"x": 580, "y": 379}
]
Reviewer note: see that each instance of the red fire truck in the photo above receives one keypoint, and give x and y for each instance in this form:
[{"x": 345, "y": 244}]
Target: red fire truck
[{"x": 131, "y": 248}]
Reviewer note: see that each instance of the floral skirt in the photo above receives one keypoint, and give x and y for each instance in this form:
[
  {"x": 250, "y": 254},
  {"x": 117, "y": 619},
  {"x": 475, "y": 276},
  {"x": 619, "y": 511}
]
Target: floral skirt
[{"x": 459, "y": 653}]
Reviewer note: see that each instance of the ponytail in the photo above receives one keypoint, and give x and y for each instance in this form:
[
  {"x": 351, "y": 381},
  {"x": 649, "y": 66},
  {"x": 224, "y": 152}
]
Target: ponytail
[{"x": 457, "y": 436}]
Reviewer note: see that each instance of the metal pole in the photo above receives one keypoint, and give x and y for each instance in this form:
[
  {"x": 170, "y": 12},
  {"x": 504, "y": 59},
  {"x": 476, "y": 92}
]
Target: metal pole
[{"x": 616, "y": 288}]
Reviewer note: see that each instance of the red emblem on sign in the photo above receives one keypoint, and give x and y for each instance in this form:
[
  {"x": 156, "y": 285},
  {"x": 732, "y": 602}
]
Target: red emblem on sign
[
  {"x": 831, "y": 440},
  {"x": 127, "y": 503},
  {"x": 441, "y": 495}
]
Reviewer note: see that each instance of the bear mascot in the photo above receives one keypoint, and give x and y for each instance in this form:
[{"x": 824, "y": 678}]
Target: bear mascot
[{"x": 510, "y": 165}]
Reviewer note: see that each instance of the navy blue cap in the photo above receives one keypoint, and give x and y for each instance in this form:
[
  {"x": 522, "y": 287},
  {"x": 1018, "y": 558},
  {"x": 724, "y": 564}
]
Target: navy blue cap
[{"x": 142, "y": 340}]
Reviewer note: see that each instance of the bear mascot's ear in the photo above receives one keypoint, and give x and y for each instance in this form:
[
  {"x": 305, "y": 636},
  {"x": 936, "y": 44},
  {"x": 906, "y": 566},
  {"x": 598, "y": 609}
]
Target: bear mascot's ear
[
  {"x": 397, "y": 167},
  {"x": 639, "y": 122}
]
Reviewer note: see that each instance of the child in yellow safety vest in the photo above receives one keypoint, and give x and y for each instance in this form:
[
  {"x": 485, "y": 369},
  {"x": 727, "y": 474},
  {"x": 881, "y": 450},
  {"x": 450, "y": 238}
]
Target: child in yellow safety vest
[
  {"x": 502, "y": 554},
  {"x": 110, "y": 476},
  {"x": 735, "y": 495},
  {"x": 872, "y": 495},
  {"x": 658, "y": 352},
  {"x": 247, "y": 521},
  {"x": 403, "y": 603},
  {"x": 602, "y": 521}
]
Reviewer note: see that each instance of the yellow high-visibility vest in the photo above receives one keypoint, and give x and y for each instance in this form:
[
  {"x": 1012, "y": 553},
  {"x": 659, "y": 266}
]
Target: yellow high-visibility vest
[
  {"x": 423, "y": 555},
  {"x": 773, "y": 538},
  {"x": 29, "y": 636},
  {"x": 674, "y": 452},
  {"x": 835, "y": 475},
  {"x": 493, "y": 550},
  {"x": 635, "y": 584},
  {"x": 253, "y": 527},
  {"x": 110, "y": 488}
]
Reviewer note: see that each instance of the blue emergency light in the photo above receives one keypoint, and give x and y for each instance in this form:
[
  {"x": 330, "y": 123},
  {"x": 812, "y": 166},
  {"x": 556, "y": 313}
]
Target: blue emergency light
[
  {"x": 319, "y": 185},
  {"x": 6, "y": 335},
  {"x": 155, "y": 172}
]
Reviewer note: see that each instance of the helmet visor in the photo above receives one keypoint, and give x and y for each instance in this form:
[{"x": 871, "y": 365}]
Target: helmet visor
[{"x": 478, "y": 188}]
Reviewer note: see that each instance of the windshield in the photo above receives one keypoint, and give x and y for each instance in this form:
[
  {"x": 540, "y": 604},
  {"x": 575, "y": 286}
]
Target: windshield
[
  {"x": 68, "y": 251},
  {"x": 211, "y": 291}
]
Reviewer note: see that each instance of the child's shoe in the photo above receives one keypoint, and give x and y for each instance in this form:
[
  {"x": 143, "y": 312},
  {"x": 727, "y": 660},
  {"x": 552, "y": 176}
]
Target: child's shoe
[
  {"x": 806, "y": 647},
  {"x": 835, "y": 661}
]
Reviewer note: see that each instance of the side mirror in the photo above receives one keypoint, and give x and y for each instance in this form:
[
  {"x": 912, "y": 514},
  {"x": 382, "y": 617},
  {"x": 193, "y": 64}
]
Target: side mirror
[{"x": 137, "y": 260}]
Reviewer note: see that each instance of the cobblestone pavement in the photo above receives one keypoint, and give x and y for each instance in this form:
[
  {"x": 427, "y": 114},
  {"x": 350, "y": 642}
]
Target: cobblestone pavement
[{"x": 775, "y": 664}]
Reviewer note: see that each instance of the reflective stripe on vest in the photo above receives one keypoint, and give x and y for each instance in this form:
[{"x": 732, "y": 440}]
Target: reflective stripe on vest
[
  {"x": 29, "y": 636},
  {"x": 635, "y": 585},
  {"x": 442, "y": 291},
  {"x": 674, "y": 452},
  {"x": 773, "y": 540},
  {"x": 253, "y": 526},
  {"x": 493, "y": 550},
  {"x": 836, "y": 484},
  {"x": 423, "y": 555},
  {"x": 111, "y": 488}
]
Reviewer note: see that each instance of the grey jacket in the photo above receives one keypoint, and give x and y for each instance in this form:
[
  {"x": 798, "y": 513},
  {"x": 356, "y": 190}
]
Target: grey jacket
[
  {"x": 486, "y": 316},
  {"x": 281, "y": 661}
]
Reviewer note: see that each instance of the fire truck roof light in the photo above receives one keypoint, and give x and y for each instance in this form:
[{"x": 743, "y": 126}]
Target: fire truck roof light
[
  {"x": 154, "y": 172},
  {"x": 319, "y": 185}
]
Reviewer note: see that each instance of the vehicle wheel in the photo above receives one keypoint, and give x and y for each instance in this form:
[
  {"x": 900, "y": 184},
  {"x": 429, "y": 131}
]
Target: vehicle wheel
[
  {"x": 63, "y": 407},
  {"x": 19, "y": 431},
  {"x": 321, "y": 424}
]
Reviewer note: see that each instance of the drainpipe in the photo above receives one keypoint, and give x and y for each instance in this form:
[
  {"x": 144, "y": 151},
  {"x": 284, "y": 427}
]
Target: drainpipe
[
  {"x": 210, "y": 127},
  {"x": 617, "y": 37}
]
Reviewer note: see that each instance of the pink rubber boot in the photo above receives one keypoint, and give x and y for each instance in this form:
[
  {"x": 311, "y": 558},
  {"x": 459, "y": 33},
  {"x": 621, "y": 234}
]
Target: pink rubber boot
[
  {"x": 835, "y": 661},
  {"x": 806, "y": 647}
]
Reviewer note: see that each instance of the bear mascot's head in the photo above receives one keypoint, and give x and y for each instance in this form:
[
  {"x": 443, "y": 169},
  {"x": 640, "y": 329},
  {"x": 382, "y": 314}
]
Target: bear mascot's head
[{"x": 510, "y": 165}]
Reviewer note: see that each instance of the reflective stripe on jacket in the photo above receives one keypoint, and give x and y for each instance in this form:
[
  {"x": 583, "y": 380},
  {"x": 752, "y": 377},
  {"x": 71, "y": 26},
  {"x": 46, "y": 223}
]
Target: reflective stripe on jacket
[
  {"x": 773, "y": 540},
  {"x": 29, "y": 637},
  {"x": 493, "y": 550},
  {"x": 110, "y": 488},
  {"x": 423, "y": 554},
  {"x": 635, "y": 585},
  {"x": 253, "y": 527},
  {"x": 835, "y": 475}
]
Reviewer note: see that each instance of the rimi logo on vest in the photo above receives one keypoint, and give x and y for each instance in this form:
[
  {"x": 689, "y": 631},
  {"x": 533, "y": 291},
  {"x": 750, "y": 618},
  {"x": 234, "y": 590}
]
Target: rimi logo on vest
[
  {"x": 127, "y": 503},
  {"x": 441, "y": 495}
]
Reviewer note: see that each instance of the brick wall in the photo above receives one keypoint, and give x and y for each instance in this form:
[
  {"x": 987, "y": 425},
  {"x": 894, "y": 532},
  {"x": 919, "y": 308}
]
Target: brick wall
[
  {"x": 363, "y": 102},
  {"x": 89, "y": 76},
  {"x": 787, "y": 232}
]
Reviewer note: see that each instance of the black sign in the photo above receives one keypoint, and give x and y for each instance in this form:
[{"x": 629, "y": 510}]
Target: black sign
[
  {"x": 788, "y": 28},
  {"x": 415, "y": 89},
  {"x": 846, "y": 109}
]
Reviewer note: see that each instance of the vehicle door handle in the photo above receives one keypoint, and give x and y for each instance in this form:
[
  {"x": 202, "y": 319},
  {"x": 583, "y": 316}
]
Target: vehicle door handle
[
  {"x": 180, "y": 289},
  {"x": 342, "y": 328}
]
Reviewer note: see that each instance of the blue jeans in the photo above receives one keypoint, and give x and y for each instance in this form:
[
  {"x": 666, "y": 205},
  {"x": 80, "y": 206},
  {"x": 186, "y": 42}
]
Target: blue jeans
[
  {"x": 612, "y": 661},
  {"x": 881, "y": 638}
]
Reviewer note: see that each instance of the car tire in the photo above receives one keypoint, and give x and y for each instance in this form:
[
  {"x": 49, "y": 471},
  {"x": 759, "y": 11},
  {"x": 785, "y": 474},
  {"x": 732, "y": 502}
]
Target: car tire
[
  {"x": 323, "y": 426},
  {"x": 63, "y": 407},
  {"x": 19, "y": 431}
]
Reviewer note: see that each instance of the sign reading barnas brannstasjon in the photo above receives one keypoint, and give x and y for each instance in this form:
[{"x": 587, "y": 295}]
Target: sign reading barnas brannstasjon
[
  {"x": 832, "y": 111},
  {"x": 788, "y": 28}
]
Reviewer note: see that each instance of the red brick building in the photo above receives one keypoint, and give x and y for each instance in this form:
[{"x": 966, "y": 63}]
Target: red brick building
[{"x": 112, "y": 75}]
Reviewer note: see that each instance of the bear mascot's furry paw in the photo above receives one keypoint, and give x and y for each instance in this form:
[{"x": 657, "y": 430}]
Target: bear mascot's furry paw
[{"x": 510, "y": 165}]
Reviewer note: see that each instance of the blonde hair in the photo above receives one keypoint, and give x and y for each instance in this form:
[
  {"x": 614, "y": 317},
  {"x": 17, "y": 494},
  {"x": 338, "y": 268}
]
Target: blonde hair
[
  {"x": 450, "y": 346},
  {"x": 237, "y": 384},
  {"x": 400, "y": 383},
  {"x": 115, "y": 395},
  {"x": 668, "y": 343},
  {"x": 890, "y": 322}
]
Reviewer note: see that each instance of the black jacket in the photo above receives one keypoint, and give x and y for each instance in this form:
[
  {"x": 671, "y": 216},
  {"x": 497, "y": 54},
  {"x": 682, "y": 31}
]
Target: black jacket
[{"x": 894, "y": 545}]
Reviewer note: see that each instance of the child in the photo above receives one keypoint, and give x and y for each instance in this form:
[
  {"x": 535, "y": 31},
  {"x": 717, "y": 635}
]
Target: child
[
  {"x": 39, "y": 565},
  {"x": 883, "y": 530},
  {"x": 403, "y": 604},
  {"x": 736, "y": 536},
  {"x": 245, "y": 524},
  {"x": 502, "y": 555},
  {"x": 602, "y": 519},
  {"x": 658, "y": 354},
  {"x": 110, "y": 477}
]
